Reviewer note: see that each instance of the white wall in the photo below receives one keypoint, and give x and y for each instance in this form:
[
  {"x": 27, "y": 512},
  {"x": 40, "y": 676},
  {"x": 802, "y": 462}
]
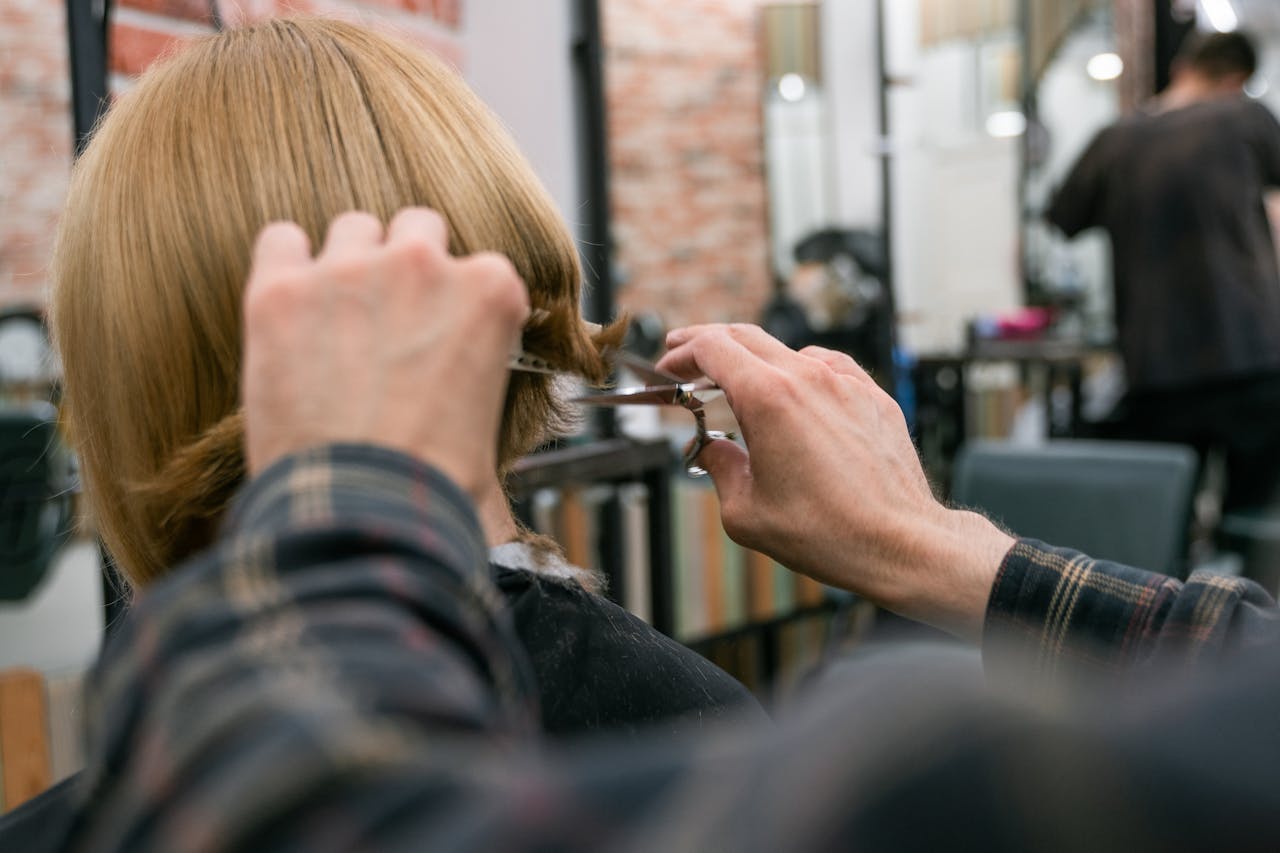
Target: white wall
[
  {"x": 59, "y": 628},
  {"x": 798, "y": 168},
  {"x": 1075, "y": 108},
  {"x": 849, "y": 69},
  {"x": 954, "y": 188},
  {"x": 518, "y": 61}
]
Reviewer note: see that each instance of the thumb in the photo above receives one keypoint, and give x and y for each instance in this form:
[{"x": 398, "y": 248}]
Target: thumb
[{"x": 730, "y": 470}]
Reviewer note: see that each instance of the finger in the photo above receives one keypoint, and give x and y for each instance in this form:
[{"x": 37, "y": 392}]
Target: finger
[
  {"x": 839, "y": 362},
  {"x": 414, "y": 223},
  {"x": 350, "y": 233},
  {"x": 729, "y": 467},
  {"x": 717, "y": 355},
  {"x": 682, "y": 336},
  {"x": 281, "y": 244},
  {"x": 504, "y": 292},
  {"x": 746, "y": 338},
  {"x": 754, "y": 338}
]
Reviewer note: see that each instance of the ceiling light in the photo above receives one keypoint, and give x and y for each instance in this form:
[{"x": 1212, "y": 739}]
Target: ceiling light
[
  {"x": 1220, "y": 14},
  {"x": 791, "y": 87},
  {"x": 1105, "y": 66},
  {"x": 1007, "y": 124}
]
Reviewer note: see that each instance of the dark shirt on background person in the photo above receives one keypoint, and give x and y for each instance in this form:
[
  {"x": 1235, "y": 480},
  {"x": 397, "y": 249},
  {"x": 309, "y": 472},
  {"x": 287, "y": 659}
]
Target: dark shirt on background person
[
  {"x": 289, "y": 730},
  {"x": 1197, "y": 290},
  {"x": 1181, "y": 194},
  {"x": 1180, "y": 188}
]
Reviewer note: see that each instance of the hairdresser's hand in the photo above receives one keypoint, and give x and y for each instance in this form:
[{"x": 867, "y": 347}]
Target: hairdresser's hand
[
  {"x": 830, "y": 484},
  {"x": 382, "y": 338}
]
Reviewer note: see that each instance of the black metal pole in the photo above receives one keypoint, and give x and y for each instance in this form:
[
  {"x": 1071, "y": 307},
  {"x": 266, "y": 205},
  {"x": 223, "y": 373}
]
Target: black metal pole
[
  {"x": 88, "y": 22},
  {"x": 662, "y": 594},
  {"x": 888, "y": 323},
  {"x": 593, "y": 160},
  {"x": 1170, "y": 33},
  {"x": 88, "y": 25},
  {"x": 1030, "y": 109}
]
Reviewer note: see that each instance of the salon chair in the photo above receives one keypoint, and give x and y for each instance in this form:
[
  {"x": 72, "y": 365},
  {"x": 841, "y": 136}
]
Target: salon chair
[
  {"x": 1128, "y": 502},
  {"x": 1254, "y": 535}
]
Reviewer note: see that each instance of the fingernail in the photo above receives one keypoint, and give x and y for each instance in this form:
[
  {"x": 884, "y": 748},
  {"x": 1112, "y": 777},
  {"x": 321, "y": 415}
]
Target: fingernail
[{"x": 676, "y": 337}]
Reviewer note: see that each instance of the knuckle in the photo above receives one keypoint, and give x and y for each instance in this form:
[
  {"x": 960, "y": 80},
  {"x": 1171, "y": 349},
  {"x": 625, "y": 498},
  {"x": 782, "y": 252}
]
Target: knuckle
[
  {"x": 747, "y": 530},
  {"x": 277, "y": 293},
  {"x": 430, "y": 217},
  {"x": 734, "y": 525},
  {"x": 889, "y": 407},
  {"x": 416, "y": 252},
  {"x": 813, "y": 371},
  {"x": 779, "y": 393},
  {"x": 494, "y": 265},
  {"x": 279, "y": 231},
  {"x": 501, "y": 284},
  {"x": 347, "y": 269},
  {"x": 791, "y": 390},
  {"x": 735, "y": 514},
  {"x": 719, "y": 338}
]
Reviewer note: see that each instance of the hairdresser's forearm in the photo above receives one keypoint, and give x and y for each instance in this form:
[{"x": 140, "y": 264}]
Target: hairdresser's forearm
[{"x": 343, "y": 634}]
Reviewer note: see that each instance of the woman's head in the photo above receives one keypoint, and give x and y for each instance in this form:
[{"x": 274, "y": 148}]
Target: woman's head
[{"x": 290, "y": 119}]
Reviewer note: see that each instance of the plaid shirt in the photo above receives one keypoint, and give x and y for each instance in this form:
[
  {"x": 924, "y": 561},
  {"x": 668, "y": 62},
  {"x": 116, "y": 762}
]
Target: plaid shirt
[{"x": 340, "y": 674}]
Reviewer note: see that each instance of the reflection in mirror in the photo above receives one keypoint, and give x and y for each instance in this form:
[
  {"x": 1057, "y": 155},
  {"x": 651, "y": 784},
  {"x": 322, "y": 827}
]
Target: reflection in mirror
[
  {"x": 797, "y": 160},
  {"x": 953, "y": 72},
  {"x": 1079, "y": 82},
  {"x": 1075, "y": 95},
  {"x": 831, "y": 288}
]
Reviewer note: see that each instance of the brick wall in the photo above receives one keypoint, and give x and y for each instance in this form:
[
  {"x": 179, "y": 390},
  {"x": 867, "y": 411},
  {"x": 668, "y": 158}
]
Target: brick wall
[
  {"x": 144, "y": 29},
  {"x": 684, "y": 90},
  {"x": 684, "y": 104},
  {"x": 35, "y": 141},
  {"x": 35, "y": 123}
]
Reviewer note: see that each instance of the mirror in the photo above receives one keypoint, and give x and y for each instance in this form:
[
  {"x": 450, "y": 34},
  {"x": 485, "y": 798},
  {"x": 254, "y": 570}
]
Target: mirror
[
  {"x": 1075, "y": 93},
  {"x": 1084, "y": 74}
]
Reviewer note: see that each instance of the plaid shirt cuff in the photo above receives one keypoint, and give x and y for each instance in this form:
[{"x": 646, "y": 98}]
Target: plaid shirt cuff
[
  {"x": 1050, "y": 606},
  {"x": 1055, "y": 612},
  {"x": 380, "y": 490}
]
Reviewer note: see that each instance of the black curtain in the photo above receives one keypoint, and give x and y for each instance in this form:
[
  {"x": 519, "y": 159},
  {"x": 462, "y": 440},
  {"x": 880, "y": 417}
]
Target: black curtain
[
  {"x": 87, "y": 25},
  {"x": 1171, "y": 30}
]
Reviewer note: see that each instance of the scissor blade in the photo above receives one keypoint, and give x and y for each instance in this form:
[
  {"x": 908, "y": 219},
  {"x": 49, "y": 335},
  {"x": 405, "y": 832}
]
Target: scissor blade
[
  {"x": 659, "y": 395},
  {"x": 644, "y": 369}
]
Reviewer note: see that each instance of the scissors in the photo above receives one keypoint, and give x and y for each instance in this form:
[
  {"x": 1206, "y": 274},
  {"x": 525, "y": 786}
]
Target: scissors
[{"x": 662, "y": 389}]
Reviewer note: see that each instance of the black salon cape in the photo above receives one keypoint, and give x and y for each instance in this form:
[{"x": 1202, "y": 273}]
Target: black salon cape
[{"x": 598, "y": 668}]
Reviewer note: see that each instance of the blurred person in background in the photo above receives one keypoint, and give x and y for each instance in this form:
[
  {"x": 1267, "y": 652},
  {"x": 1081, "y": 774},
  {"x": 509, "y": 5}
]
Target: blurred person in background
[{"x": 1180, "y": 188}]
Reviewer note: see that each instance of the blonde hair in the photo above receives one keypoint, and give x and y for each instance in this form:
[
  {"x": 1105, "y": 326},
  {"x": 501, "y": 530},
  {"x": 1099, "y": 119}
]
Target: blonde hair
[{"x": 293, "y": 119}]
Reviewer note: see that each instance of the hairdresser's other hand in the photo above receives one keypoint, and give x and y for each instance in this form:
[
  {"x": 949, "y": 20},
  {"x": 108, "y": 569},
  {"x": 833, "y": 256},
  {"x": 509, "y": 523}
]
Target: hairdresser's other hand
[
  {"x": 382, "y": 338},
  {"x": 830, "y": 484}
]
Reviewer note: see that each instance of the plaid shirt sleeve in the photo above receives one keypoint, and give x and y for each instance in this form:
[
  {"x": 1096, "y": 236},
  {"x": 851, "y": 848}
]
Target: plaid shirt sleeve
[
  {"x": 1056, "y": 612},
  {"x": 339, "y": 674},
  {"x": 347, "y": 610}
]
